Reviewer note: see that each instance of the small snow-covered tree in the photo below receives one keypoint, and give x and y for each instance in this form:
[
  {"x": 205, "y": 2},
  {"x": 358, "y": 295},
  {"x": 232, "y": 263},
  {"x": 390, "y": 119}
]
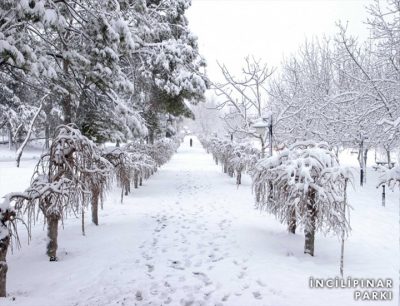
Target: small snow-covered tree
[
  {"x": 243, "y": 159},
  {"x": 63, "y": 181},
  {"x": 123, "y": 168},
  {"x": 307, "y": 189}
]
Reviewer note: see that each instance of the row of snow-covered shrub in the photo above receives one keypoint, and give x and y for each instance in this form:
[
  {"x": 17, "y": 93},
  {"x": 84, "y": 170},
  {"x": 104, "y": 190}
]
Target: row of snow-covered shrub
[
  {"x": 302, "y": 185},
  {"x": 71, "y": 176},
  {"x": 137, "y": 160},
  {"x": 235, "y": 158}
]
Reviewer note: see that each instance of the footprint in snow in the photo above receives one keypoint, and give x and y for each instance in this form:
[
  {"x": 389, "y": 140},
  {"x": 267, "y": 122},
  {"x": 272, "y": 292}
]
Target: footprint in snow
[
  {"x": 139, "y": 296},
  {"x": 203, "y": 277},
  {"x": 225, "y": 297},
  {"x": 176, "y": 265},
  {"x": 146, "y": 256},
  {"x": 168, "y": 300},
  {"x": 150, "y": 268},
  {"x": 154, "y": 290},
  {"x": 257, "y": 295}
]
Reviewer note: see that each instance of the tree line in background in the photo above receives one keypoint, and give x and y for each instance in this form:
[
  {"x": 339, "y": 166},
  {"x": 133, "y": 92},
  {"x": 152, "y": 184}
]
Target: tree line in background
[{"x": 338, "y": 90}]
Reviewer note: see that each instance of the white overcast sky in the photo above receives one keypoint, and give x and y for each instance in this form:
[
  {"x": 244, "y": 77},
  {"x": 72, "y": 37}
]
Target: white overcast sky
[{"x": 229, "y": 30}]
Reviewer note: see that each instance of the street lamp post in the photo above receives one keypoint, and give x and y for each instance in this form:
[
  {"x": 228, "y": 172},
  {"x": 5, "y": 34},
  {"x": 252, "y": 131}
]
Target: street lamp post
[{"x": 261, "y": 126}]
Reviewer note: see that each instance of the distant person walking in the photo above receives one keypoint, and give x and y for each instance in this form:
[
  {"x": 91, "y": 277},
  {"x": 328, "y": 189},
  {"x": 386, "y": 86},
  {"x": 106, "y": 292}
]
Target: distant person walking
[{"x": 191, "y": 142}]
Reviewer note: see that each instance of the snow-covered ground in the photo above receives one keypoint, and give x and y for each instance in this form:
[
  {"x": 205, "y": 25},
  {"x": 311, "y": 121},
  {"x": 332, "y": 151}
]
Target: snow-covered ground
[{"x": 189, "y": 236}]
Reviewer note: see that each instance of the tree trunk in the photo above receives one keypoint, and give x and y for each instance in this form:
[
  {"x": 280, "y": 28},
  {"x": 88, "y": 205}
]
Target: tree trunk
[
  {"x": 239, "y": 178},
  {"x": 258, "y": 196},
  {"x": 67, "y": 109},
  {"x": 10, "y": 137},
  {"x": 136, "y": 180},
  {"x": 66, "y": 102},
  {"x": 388, "y": 158},
  {"x": 127, "y": 188},
  {"x": 365, "y": 165},
  {"x": 83, "y": 221},
  {"x": 4, "y": 243},
  {"x": 47, "y": 136},
  {"x": 28, "y": 135},
  {"x": 95, "y": 205},
  {"x": 361, "y": 162},
  {"x": 52, "y": 234},
  {"x": 309, "y": 231},
  {"x": 151, "y": 136},
  {"x": 140, "y": 181},
  {"x": 225, "y": 167},
  {"x": 292, "y": 222}
]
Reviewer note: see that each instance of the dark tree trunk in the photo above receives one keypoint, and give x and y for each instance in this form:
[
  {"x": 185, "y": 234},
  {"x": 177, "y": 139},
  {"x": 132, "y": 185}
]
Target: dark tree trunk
[
  {"x": 4, "y": 243},
  {"x": 140, "y": 181},
  {"x": 127, "y": 188},
  {"x": 52, "y": 234},
  {"x": 95, "y": 205},
  {"x": 361, "y": 162},
  {"x": 10, "y": 137},
  {"x": 151, "y": 136},
  {"x": 136, "y": 180},
  {"x": 365, "y": 165},
  {"x": 83, "y": 221},
  {"x": 67, "y": 109},
  {"x": 292, "y": 222},
  {"x": 309, "y": 231},
  {"x": 225, "y": 167},
  {"x": 239, "y": 178},
  {"x": 66, "y": 103},
  {"x": 270, "y": 191},
  {"x": 388, "y": 159},
  {"x": 47, "y": 136}
]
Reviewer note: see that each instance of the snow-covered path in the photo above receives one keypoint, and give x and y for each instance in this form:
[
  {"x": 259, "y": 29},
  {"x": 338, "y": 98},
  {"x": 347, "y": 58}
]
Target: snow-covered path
[{"x": 189, "y": 236}]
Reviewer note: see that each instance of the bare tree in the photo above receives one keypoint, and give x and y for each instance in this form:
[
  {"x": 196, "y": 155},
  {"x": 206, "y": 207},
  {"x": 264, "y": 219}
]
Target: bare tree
[{"x": 245, "y": 98}]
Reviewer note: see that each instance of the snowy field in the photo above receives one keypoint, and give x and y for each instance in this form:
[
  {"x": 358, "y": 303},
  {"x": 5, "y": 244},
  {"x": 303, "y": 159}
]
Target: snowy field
[{"x": 189, "y": 236}]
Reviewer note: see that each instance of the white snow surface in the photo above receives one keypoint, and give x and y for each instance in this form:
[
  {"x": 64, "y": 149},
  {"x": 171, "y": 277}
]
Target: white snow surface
[{"x": 189, "y": 236}]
